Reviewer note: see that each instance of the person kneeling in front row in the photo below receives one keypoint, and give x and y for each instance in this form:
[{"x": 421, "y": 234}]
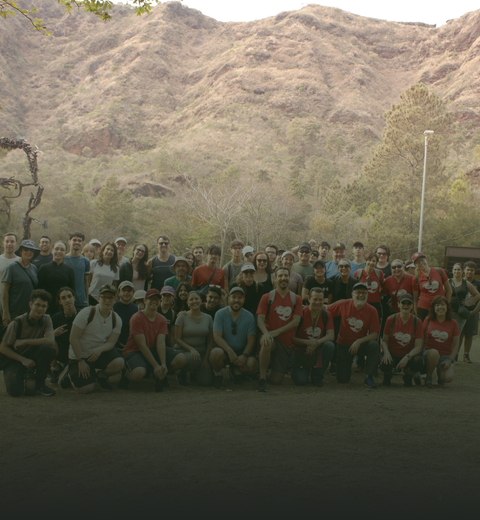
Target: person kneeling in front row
[
  {"x": 234, "y": 338},
  {"x": 28, "y": 347},
  {"x": 313, "y": 342},
  {"x": 402, "y": 343},
  {"x": 95, "y": 332},
  {"x": 146, "y": 350}
]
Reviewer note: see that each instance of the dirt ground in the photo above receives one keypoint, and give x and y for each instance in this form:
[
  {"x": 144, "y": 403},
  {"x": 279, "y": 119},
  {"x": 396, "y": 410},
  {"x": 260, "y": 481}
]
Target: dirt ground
[{"x": 195, "y": 452}]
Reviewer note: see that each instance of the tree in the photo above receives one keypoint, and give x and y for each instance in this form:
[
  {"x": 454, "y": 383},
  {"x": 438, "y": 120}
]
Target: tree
[
  {"x": 395, "y": 168},
  {"x": 97, "y": 7}
]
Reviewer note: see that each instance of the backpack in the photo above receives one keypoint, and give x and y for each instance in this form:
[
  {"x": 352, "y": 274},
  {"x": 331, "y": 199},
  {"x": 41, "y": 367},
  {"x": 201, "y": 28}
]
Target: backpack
[
  {"x": 439, "y": 271},
  {"x": 4, "y": 360},
  {"x": 92, "y": 315},
  {"x": 375, "y": 270}
]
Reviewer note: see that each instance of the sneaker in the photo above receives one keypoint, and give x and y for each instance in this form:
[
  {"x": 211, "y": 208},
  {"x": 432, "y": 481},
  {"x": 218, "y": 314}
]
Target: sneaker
[
  {"x": 123, "y": 384},
  {"x": 333, "y": 369},
  {"x": 417, "y": 379},
  {"x": 387, "y": 380},
  {"x": 45, "y": 390},
  {"x": 182, "y": 380},
  {"x": 192, "y": 377},
  {"x": 236, "y": 378},
  {"x": 397, "y": 371},
  {"x": 64, "y": 380},
  {"x": 440, "y": 382},
  {"x": 408, "y": 380},
  {"x": 54, "y": 375},
  {"x": 104, "y": 384},
  {"x": 370, "y": 383},
  {"x": 262, "y": 385},
  {"x": 159, "y": 385},
  {"x": 428, "y": 382},
  {"x": 165, "y": 382},
  {"x": 218, "y": 382}
]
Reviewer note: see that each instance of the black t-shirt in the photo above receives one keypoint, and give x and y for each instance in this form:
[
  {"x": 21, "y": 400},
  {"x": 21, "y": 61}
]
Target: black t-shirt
[
  {"x": 63, "y": 341},
  {"x": 326, "y": 286},
  {"x": 125, "y": 312},
  {"x": 42, "y": 260},
  {"x": 253, "y": 295},
  {"x": 476, "y": 284},
  {"x": 387, "y": 270},
  {"x": 210, "y": 312}
]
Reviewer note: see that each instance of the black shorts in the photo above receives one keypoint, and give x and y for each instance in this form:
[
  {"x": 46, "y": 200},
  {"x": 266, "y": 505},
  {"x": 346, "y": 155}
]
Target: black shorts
[
  {"x": 280, "y": 357},
  {"x": 104, "y": 359},
  {"x": 137, "y": 359},
  {"x": 226, "y": 361},
  {"x": 471, "y": 327}
]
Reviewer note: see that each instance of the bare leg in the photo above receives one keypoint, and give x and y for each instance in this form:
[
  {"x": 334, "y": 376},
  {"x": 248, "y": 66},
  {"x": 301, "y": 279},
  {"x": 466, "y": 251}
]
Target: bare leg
[
  {"x": 276, "y": 377},
  {"x": 264, "y": 359},
  {"x": 137, "y": 374},
  {"x": 432, "y": 357}
]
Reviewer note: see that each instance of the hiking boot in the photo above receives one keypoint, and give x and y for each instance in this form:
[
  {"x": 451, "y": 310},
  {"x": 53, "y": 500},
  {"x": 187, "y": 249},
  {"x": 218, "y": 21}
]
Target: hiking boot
[
  {"x": 333, "y": 369},
  {"x": 123, "y": 384},
  {"x": 45, "y": 390},
  {"x": 30, "y": 383},
  {"x": 54, "y": 375},
  {"x": 387, "y": 380},
  {"x": 370, "y": 383},
  {"x": 262, "y": 385},
  {"x": 182, "y": 380},
  {"x": 103, "y": 383},
  {"x": 64, "y": 380},
  {"x": 236, "y": 378},
  {"x": 408, "y": 380},
  {"x": 159, "y": 384},
  {"x": 417, "y": 379},
  {"x": 428, "y": 382},
  {"x": 217, "y": 382}
]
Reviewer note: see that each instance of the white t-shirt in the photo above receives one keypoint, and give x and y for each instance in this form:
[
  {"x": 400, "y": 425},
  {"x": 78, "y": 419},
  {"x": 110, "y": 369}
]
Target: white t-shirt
[
  {"x": 4, "y": 263},
  {"x": 124, "y": 260},
  {"x": 96, "y": 333},
  {"x": 102, "y": 274}
]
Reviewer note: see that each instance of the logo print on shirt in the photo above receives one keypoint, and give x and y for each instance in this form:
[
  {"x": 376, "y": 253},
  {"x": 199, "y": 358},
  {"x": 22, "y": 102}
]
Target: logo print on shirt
[
  {"x": 440, "y": 336},
  {"x": 313, "y": 335},
  {"x": 432, "y": 287},
  {"x": 373, "y": 287},
  {"x": 355, "y": 324},
  {"x": 284, "y": 313},
  {"x": 403, "y": 339},
  {"x": 400, "y": 292}
]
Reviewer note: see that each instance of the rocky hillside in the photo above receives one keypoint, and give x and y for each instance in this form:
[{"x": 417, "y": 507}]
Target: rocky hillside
[{"x": 223, "y": 95}]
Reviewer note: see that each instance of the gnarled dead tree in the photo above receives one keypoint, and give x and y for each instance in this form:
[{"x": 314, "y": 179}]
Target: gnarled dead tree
[{"x": 12, "y": 188}]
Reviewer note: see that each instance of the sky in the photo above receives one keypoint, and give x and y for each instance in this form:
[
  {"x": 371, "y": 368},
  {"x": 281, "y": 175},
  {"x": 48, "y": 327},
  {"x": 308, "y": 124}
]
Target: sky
[{"x": 400, "y": 11}]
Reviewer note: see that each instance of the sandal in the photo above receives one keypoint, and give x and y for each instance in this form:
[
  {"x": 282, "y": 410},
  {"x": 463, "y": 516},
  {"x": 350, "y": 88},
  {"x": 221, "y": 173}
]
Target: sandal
[{"x": 466, "y": 358}]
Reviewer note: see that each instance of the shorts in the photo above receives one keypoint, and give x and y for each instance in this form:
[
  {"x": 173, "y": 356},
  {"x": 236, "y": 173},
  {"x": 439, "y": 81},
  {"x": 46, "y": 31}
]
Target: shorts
[
  {"x": 101, "y": 363},
  {"x": 136, "y": 359},
  {"x": 471, "y": 327},
  {"x": 280, "y": 357},
  {"x": 226, "y": 361},
  {"x": 442, "y": 359}
]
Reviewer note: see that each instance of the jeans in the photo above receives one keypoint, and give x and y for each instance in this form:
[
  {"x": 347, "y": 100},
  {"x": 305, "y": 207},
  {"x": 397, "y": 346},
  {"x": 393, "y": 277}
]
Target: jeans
[
  {"x": 300, "y": 375},
  {"x": 344, "y": 360},
  {"x": 14, "y": 372}
]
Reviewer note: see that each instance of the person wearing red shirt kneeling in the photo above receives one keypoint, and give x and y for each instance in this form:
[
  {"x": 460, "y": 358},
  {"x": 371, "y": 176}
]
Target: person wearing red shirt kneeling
[
  {"x": 358, "y": 333},
  {"x": 402, "y": 343},
  {"x": 441, "y": 341}
]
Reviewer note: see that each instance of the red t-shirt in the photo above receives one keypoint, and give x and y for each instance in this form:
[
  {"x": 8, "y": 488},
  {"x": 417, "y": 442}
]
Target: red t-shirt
[
  {"x": 140, "y": 324},
  {"x": 401, "y": 339},
  {"x": 440, "y": 335},
  {"x": 306, "y": 330},
  {"x": 202, "y": 274},
  {"x": 281, "y": 313},
  {"x": 355, "y": 323},
  {"x": 374, "y": 284},
  {"x": 396, "y": 289},
  {"x": 429, "y": 289}
]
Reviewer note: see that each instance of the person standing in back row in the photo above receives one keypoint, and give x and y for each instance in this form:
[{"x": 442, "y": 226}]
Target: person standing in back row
[
  {"x": 45, "y": 256},
  {"x": 8, "y": 257},
  {"x": 161, "y": 262}
]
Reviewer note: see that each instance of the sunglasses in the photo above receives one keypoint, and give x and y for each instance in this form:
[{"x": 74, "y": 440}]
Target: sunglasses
[
  {"x": 163, "y": 243},
  {"x": 344, "y": 266},
  {"x": 234, "y": 328},
  {"x": 397, "y": 266},
  {"x": 305, "y": 252},
  {"x": 261, "y": 261}
]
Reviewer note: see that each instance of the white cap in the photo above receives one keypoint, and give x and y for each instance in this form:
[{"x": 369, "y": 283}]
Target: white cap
[{"x": 121, "y": 239}]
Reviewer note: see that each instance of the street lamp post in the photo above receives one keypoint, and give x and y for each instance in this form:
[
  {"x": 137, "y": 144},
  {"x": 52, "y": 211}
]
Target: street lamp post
[{"x": 426, "y": 134}]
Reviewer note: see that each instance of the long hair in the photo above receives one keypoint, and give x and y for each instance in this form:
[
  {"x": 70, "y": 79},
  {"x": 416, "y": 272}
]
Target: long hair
[
  {"x": 181, "y": 305},
  {"x": 142, "y": 268},
  {"x": 114, "y": 260},
  {"x": 268, "y": 267},
  {"x": 431, "y": 311}
]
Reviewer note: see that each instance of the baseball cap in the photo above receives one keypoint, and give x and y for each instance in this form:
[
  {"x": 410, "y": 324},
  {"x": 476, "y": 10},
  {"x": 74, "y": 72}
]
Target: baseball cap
[
  {"x": 139, "y": 295},
  {"x": 358, "y": 243},
  {"x": 167, "y": 290},
  {"x": 417, "y": 255},
  {"x": 360, "y": 285},
  {"x": 247, "y": 267},
  {"x": 339, "y": 245},
  {"x": 287, "y": 253},
  {"x": 121, "y": 239},
  {"x": 306, "y": 245},
  {"x": 247, "y": 249},
  {"x": 152, "y": 292},
  {"x": 107, "y": 288},
  {"x": 237, "y": 289},
  {"x": 126, "y": 283},
  {"x": 95, "y": 241},
  {"x": 405, "y": 296},
  {"x": 318, "y": 262}
]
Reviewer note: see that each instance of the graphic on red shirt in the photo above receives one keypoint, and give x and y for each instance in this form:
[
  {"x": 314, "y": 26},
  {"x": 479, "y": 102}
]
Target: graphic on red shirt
[
  {"x": 396, "y": 289},
  {"x": 355, "y": 324},
  {"x": 430, "y": 287},
  {"x": 281, "y": 312},
  {"x": 401, "y": 339},
  {"x": 374, "y": 284},
  {"x": 307, "y": 331},
  {"x": 440, "y": 335}
]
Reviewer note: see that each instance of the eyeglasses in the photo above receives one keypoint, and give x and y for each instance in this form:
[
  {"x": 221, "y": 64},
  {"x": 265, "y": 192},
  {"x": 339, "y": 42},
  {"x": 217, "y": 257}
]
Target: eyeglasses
[
  {"x": 249, "y": 272},
  {"x": 382, "y": 254},
  {"x": 163, "y": 243},
  {"x": 406, "y": 303},
  {"x": 305, "y": 252},
  {"x": 107, "y": 298},
  {"x": 397, "y": 266},
  {"x": 262, "y": 260},
  {"x": 234, "y": 328},
  {"x": 344, "y": 266}
]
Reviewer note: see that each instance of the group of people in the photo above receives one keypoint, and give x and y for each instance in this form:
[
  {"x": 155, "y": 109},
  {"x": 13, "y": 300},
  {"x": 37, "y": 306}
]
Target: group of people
[{"x": 80, "y": 313}]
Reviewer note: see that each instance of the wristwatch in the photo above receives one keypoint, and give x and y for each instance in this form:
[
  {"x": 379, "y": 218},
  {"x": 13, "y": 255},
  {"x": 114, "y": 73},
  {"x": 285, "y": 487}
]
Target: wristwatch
[{"x": 409, "y": 356}]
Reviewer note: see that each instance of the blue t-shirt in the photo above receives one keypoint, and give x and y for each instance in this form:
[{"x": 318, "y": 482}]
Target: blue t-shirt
[
  {"x": 173, "y": 282},
  {"x": 81, "y": 267},
  {"x": 245, "y": 326}
]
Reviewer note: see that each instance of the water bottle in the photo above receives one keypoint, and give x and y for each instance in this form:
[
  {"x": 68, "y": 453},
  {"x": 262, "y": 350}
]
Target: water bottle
[{"x": 30, "y": 383}]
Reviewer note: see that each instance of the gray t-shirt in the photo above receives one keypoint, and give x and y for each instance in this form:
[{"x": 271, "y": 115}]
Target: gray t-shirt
[
  {"x": 4, "y": 263},
  {"x": 81, "y": 267},
  {"x": 22, "y": 282},
  {"x": 303, "y": 270},
  {"x": 195, "y": 334},
  {"x": 28, "y": 332},
  {"x": 231, "y": 272}
]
